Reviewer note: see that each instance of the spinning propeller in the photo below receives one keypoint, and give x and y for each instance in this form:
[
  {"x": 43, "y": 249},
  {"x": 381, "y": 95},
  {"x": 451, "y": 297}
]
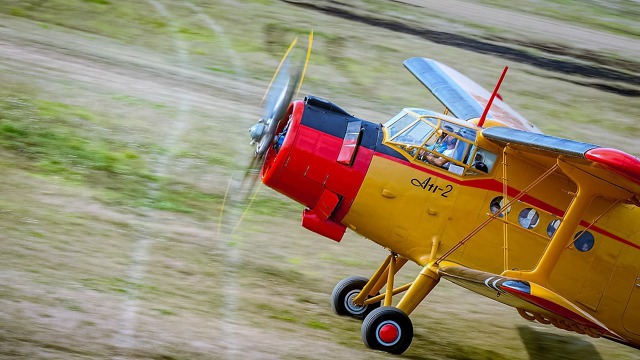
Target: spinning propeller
[{"x": 286, "y": 83}]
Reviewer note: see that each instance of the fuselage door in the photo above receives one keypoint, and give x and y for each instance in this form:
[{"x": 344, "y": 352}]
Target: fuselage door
[{"x": 631, "y": 317}]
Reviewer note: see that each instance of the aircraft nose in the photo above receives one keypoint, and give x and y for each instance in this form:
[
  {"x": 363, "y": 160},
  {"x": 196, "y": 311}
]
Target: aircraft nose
[{"x": 319, "y": 161}]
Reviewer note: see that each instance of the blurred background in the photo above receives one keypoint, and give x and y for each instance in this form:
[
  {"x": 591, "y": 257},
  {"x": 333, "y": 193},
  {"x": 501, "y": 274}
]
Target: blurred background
[{"x": 122, "y": 124}]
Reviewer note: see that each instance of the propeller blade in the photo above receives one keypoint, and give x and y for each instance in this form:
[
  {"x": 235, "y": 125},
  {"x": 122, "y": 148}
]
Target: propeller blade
[
  {"x": 306, "y": 62},
  {"x": 251, "y": 177},
  {"x": 284, "y": 85},
  {"x": 286, "y": 54}
]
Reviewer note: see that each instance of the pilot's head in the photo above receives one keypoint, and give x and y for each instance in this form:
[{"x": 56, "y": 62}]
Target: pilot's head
[{"x": 443, "y": 134}]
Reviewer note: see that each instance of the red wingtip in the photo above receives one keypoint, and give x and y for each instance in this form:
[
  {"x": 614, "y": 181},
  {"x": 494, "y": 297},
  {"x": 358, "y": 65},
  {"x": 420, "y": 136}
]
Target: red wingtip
[{"x": 617, "y": 161}]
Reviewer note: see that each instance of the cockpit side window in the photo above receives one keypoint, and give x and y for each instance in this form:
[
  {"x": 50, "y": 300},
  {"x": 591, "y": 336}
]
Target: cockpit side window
[
  {"x": 432, "y": 140},
  {"x": 437, "y": 142},
  {"x": 482, "y": 162},
  {"x": 453, "y": 142},
  {"x": 462, "y": 153}
]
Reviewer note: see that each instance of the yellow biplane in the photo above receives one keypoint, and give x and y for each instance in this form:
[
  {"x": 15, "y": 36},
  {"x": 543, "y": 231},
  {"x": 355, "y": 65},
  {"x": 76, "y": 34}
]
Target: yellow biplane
[{"x": 475, "y": 195}]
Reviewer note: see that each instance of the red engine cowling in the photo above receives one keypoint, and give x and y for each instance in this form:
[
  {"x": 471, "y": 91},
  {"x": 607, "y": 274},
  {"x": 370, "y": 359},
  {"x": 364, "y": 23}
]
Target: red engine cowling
[{"x": 306, "y": 163}]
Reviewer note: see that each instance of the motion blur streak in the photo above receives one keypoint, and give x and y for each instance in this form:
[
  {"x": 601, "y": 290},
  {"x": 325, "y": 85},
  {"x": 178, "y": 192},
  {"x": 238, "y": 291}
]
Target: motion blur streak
[{"x": 143, "y": 240}]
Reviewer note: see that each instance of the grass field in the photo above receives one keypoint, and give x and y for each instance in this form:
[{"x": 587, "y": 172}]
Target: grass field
[{"x": 122, "y": 124}]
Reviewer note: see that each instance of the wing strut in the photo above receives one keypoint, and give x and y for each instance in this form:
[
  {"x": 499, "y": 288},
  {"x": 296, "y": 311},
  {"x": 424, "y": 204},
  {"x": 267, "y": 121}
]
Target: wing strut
[
  {"x": 505, "y": 225},
  {"x": 589, "y": 188}
]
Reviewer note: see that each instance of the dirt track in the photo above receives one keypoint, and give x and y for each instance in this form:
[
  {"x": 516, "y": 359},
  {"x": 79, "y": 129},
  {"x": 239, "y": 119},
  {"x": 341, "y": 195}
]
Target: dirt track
[
  {"x": 544, "y": 28},
  {"x": 567, "y": 50},
  {"x": 25, "y": 48}
]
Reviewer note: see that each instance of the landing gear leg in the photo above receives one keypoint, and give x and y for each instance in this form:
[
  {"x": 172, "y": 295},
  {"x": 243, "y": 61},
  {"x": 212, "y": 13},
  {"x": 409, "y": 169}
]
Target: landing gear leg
[{"x": 421, "y": 287}]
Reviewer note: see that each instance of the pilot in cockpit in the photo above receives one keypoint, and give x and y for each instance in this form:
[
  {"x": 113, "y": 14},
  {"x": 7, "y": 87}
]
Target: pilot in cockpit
[
  {"x": 439, "y": 145},
  {"x": 450, "y": 143}
]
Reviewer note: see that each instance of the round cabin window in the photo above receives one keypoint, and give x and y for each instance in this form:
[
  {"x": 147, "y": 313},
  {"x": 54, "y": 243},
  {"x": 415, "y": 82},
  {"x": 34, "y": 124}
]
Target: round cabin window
[
  {"x": 552, "y": 227},
  {"x": 528, "y": 218},
  {"x": 583, "y": 241},
  {"x": 496, "y": 204}
]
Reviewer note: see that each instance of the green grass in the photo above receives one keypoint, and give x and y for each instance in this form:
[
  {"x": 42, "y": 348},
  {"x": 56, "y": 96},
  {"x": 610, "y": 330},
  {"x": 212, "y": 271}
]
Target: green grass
[
  {"x": 46, "y": 134},
  {"x": 166, "y": 312},
  {"x": 56, "y": 139},
  {"x": 118, "y": 20}
]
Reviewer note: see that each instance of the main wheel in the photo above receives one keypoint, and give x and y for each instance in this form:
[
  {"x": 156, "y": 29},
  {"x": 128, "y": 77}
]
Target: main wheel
[
  {"x": 387, "y": 329},
  {"x": 343, "y": 295}
]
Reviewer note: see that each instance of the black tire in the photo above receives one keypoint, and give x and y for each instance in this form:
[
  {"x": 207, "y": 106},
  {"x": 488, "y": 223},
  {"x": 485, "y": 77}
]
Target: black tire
[
  {"x": 387, "y": 329},
  {"x": 344, "y": 292}
]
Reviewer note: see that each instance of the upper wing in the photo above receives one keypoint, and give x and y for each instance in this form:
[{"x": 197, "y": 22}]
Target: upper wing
[
  {"x": 462, "y": 96},
  {"x": 534, "y": 302},
  {"x": 610, "y": 165}
]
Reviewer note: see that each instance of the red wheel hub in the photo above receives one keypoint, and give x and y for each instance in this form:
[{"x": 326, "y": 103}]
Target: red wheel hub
[{"x": 388, "y": 333}]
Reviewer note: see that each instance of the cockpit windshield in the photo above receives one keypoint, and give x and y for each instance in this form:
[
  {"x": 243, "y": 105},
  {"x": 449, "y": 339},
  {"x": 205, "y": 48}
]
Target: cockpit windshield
[
  {"x": 415, "y": 134},
  {"x": 436, "y": 140}
]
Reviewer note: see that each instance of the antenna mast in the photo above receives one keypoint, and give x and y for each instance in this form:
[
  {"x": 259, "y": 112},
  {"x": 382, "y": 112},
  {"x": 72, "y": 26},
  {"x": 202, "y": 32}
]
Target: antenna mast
[{"x": 495, "y": 92}]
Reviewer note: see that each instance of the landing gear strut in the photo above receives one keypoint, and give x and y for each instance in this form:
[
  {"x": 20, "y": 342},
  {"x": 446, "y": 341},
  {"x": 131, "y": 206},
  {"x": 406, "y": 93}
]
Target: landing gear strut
[{"x": 385, "y": 328}]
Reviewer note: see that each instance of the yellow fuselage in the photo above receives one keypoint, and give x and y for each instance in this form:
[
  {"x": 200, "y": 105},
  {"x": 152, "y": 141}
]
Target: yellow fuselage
[{"x": 395, "y": 209}]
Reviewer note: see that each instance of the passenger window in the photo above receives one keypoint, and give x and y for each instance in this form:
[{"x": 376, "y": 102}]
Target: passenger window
[
  {"x": 528, "y": 218},
  {"x": 496, "y": 204},
  {"x": 482, "y": 162},
  {"x": 583, "y": 241},
  {"x": 552, "y": 227}
]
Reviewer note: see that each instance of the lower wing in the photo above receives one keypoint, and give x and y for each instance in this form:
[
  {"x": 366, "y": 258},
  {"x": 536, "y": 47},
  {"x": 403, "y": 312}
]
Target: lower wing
[{"x": 533, "y": 302}]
